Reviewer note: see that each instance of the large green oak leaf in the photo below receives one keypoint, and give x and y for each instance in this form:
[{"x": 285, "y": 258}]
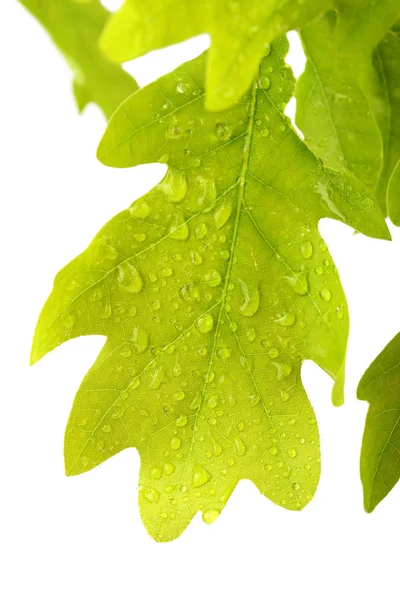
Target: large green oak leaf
[
  {"x": 211, "y": 291},
  {"x": 239, "y": 31},
  {"x": 75, "y": 28}
]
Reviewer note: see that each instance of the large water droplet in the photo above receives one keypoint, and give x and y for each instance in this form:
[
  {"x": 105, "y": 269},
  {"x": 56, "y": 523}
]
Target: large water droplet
[
  {"x": 129, "y": 279},
  {"x": 179, "y": 230},
  {"x": 222, "y": 214},
  {"x": 299, "y": 283},
  {"x": 306, "y": 249},
  {"x": 205, "y": 323},
  {"x": 200, "y": 476},
  {"x": 139, "y": 209},
  {"x": 251, "y": 300},
  {"x": 174, "y": 185},
  {"x": 140, "y": 339},
  {"x": 240, "y": 447}
]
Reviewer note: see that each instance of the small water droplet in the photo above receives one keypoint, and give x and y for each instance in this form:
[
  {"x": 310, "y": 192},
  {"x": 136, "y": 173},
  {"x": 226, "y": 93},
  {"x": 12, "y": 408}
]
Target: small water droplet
[
  {"x": 151, "y": 495},
  {"x": 325, "y": 295},
  {"x": 210, "y": 515},
  {"x": 205, "y": 323},
  {"x": 175, "y": 443},
  {"x": 264, "y": 82},
  {"x": 200, "y": 476},
  {"x": 306, "y": 249},
  {"x": 129, "y": 279},
  {"x": 292, "y": 452}
]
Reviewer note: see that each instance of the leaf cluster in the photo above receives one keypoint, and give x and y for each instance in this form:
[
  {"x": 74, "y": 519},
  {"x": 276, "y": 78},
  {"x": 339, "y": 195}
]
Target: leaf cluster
[{"x": 213, "y": 288}]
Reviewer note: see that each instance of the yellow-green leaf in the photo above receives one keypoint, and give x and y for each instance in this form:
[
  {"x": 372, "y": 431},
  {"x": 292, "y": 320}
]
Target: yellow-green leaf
[{"x": 211, "y": 291}]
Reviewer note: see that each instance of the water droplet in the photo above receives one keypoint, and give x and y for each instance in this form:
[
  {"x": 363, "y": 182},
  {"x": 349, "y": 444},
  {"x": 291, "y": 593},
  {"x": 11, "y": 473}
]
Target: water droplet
[
  {"x": 299, "y": 283},
  {"x": 264, "y": 132},
  {"x": 139, "y": 209},
  {"x": 155, "y": 472},
  {"x": 179, "y": 230},
  {"x": 273, "y": 450},
  {"x": 240, "y": 447},
  {"x": 129, "y": 279},
  {"x": 201, "y": 231},
  {"x": 151, "y": 495},
  {"x": 199, "y": 476},
  {"x": 210, "y": 515},
  {"x": 292, "y": 452},
  {"x": 174, "y": 185},
  {"x": 222, "y": 214},
  {"x": 325, "y": 295},
  {"x": 175, "y": 443},
  {"x": 205, "y": 323},
  {"x": 251, "y": 334},
  {"x": 140, "y": 339},
  {"x": 283, "y": 370},
  {"x": 212, "y": 277},
  {"x": 169, "y": 468},
  {"x": 196, "y": 258},
  {"x": 273, "y": 352},
  {"x": 181, "y": 422},
  {"x": 182, "y": 87},
  {"x": 251, "y": 300},
  {"x": 222, "y": 132},
  {"x": 306, "y": 249},
  {"x": 264, "y": 82}
]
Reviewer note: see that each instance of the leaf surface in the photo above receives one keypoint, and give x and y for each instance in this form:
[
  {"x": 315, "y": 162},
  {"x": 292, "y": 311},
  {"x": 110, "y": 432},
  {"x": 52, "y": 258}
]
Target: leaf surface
[
  {"x": 343, "y": 96},
  {"x": 239, "y": 34},
  {"x": 211, "y": 290},
  {"x": 380, "y": 453},
  {"x": 75, "y": 28}
]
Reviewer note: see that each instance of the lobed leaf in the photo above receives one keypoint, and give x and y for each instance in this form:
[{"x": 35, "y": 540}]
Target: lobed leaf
[
  {"x": 75, "y": 27},
  {"x": 380, "y": 453},
  {"x": 239, "y": 34},
  {"x": 211, "y": 291}
]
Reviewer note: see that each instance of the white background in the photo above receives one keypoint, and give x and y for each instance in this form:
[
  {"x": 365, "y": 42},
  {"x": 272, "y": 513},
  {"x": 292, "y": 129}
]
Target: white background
[{"x": 81, "y": 538}]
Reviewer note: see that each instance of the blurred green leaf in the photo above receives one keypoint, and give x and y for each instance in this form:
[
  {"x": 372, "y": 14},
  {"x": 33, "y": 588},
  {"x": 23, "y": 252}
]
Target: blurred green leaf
[
  {"x": 75, "y": 28},
  {"x": 240, "y": 32}
]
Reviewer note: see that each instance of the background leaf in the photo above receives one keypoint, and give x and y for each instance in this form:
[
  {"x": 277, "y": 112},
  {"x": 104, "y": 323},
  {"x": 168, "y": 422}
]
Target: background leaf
[
  {"x": 343, "y": 97},
  {"x": 75, "y": 28},
  {"x": 240, "y": 32},
  {"x": 380, "y": 453},
  {"x": 211, "y": 290}
]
